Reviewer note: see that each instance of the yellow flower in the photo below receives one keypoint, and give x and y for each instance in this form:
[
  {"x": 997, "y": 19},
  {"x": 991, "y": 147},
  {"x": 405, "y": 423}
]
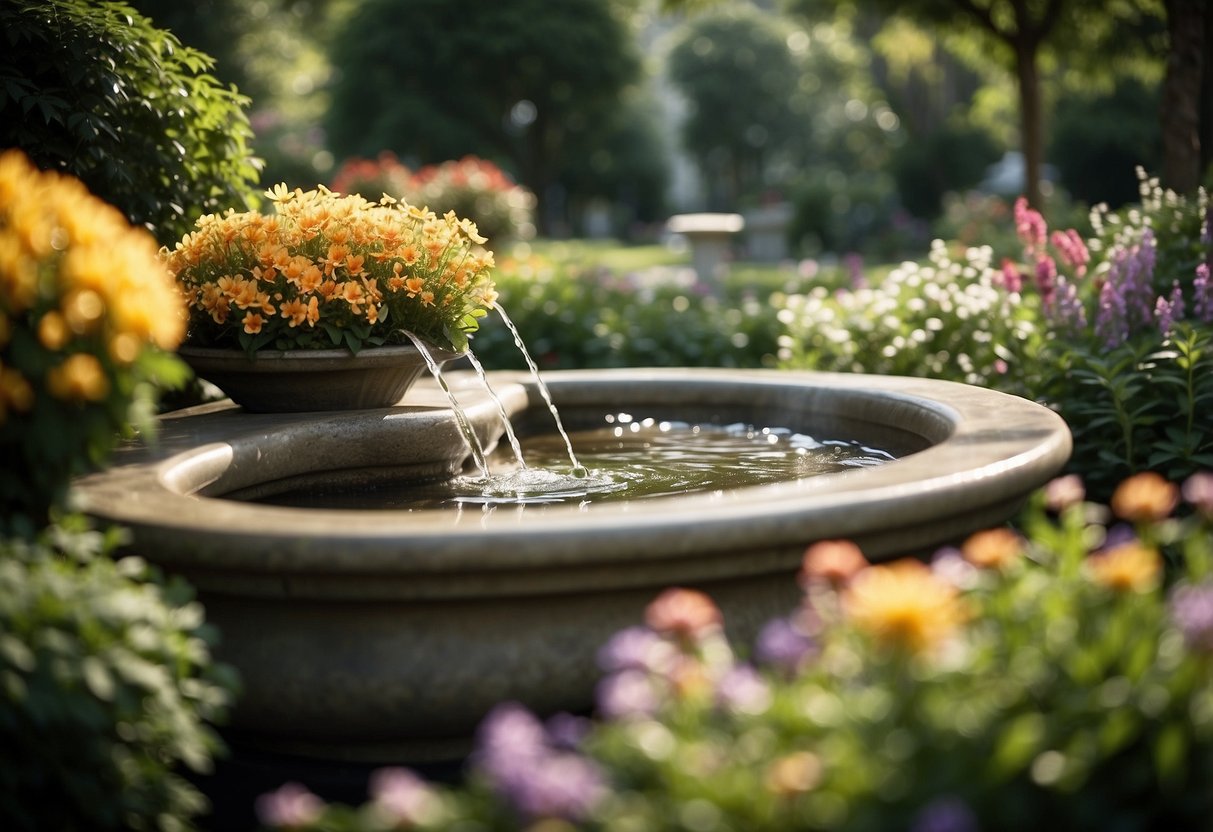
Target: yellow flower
[
  {"x": 80, "y": 378},
  {"x": 1130, "y": 567},
  {"x": 15, "y": 392},
  {"x": 53, "y": 332},
  {"x": 903, "y": 605}
]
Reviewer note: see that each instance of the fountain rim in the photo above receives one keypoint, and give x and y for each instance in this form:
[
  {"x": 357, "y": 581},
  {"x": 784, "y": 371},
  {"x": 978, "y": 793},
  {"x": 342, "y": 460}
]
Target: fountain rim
[{"x": 957, "y": 471}]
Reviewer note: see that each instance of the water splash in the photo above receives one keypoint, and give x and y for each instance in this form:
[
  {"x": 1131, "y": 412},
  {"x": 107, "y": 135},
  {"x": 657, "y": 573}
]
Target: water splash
[
  {"x": 464, "y": 426},
  {"x": 578, "y": 469},
  {"x": 505, "y": 417}
]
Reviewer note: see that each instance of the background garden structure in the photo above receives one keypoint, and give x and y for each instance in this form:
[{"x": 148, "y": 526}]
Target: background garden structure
[{"x": 890, "y": 143}]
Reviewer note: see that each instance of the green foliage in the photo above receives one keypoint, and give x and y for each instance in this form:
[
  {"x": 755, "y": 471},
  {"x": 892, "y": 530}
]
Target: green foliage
[
  {"x": 575, "y": 311},
  {"x": 1141, "y": 406},
  {"x": 95, "y": 90},
  {"x": 106, "y": 688},
  {"x": 1056, "y": 680},
  {"x": 950, "y": 159}
]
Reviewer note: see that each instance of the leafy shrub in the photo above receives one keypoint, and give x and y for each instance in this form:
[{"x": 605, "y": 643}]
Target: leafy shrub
[
  {"x": 95, "y": 90},
  {"x": 573, "y": 313},
  {"x": 88, "y": 315},
  {"x": 106, "y": 688},
  {"x": 1063, "y": 679}
]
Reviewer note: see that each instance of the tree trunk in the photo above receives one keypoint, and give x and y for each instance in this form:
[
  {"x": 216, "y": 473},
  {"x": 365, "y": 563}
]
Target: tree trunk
[
  {"x": 1181, "y": 99},
  {"x": 1031, "y": 116}
]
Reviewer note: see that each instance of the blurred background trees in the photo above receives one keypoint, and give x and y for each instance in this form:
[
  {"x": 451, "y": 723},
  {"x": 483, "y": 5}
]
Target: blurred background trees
[{"x": 868, "y": 118}]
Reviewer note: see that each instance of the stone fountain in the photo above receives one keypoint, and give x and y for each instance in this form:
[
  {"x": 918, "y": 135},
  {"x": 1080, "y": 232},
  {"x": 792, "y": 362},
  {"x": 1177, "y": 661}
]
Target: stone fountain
[{"x": 386, "y": 635}]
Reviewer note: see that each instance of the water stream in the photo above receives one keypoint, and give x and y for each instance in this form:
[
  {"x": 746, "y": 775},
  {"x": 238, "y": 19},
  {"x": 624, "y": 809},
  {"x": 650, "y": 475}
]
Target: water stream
[{"x": 631, "y": 458}]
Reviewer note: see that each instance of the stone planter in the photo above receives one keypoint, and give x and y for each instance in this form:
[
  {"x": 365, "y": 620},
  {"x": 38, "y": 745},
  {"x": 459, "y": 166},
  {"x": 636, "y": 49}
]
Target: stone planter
[
  {"x": 386, "y": 636},
  {"x": 279, "y": 381}
]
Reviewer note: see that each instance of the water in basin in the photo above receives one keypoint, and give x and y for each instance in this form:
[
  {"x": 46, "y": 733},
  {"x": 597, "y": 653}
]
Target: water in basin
[{"x": 625, "y": 457}]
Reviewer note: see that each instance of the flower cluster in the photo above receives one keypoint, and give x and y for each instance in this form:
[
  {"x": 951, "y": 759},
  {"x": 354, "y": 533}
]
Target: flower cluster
[
  {"x": 1057, "y": 675},
  {"x": 1144, "y": 264},
  {"x": 84, "y": 304},
  {"x": 329, "y": 270},
  {"x": 471, "y": 187},
  {"x": 949, "y": 318}
]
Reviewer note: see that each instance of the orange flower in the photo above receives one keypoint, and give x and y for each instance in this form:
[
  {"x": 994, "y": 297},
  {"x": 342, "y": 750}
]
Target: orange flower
[
  {"x": 686, "y": 613},
  {"x": 904, "y": 605},
  {"x": 253, "y": 323},
  {"x": 427, "y": 298},
  {"x": 1145, "y": 497},
  {"x": 993, "y": 548},
  {"x": 294, "y": 311},
  {"x": 310, "y": 279},
  {"x": 414, "y": 285},
  {"x": 832, "y": 561},
  {"x": 1130, "y": 567}
]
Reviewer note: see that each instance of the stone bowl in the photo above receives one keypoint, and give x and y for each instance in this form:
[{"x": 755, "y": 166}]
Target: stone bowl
[{"x": 386, "y": 635}]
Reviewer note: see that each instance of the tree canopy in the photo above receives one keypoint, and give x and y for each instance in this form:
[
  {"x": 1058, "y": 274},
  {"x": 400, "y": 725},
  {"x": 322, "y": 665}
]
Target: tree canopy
[{"x": 517, "y": 81}]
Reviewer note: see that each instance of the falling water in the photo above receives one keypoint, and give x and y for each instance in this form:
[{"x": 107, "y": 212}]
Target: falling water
[
  {"x": 468, "y": 434},
  {"x": 505, "y": 417},
  {"x": 578, "y": 470}
]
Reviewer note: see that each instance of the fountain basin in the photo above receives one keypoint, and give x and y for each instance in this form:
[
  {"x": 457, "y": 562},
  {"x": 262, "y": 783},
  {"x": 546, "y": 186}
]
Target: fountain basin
[{"x": 387, "y": 635}]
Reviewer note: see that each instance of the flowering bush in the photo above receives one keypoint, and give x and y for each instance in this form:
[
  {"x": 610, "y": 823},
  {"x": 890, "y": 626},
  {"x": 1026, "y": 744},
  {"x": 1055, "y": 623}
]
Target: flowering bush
[
  {"x": 477, "y": 188},
  {"x": 327, "y": 270},
  {"x": 947, "y": 318},
  {"x": 1130, "y": 317},
  {"x": 1062, "y": 678},
  {"x": 471, "y": 187},
  {"x": 374, "y": 177},
  {"x": 87, "y": 317}
]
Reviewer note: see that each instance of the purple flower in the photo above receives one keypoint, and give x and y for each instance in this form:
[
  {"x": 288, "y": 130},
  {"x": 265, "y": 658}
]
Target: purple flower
[
  {"x": 783, "y": 645},
  {"x": 402, "y": 797},
  {"x": 1112, "y": 318},
  {"x": 510, "y": 732},
  {"x": 290, "y": 806},
  {"x": 1198, "y": 492},
  {"x": 638, "y": 648},
  {"x": 949, "y": 565},
  {"x": 945, "y": 814},
  {"x": 1202, "y": 294},
  {"x": 1192, "y": 612},
  {"x": 854, "y": 266},
  {"x": 742, "y": 690},
  {"x": 567, "y": 731},
  {"x": 525, "y": 768},
  {"x": 557, "y": 785},
  {"x": 1066, "y": 310},
  {"x": 625, "y": 694},
  {"x": 1169, "y": 310}
]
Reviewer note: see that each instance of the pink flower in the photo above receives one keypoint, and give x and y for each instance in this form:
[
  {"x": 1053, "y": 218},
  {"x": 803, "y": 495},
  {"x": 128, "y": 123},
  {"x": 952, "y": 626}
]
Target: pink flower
[
  {"x": 291, "y": 806},
  {"x": 1029, "y": 225},
  {"x": 1072, "y": 249}
]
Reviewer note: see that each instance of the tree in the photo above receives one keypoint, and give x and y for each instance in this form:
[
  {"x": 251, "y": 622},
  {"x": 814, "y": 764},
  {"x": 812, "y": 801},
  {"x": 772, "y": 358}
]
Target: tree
[
  {"x": 1020, "y": 34},
  {"x": 1187, "y": 24},
  {"x": 739, "y": 77},
  {"x": 517, "y": 81}
]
